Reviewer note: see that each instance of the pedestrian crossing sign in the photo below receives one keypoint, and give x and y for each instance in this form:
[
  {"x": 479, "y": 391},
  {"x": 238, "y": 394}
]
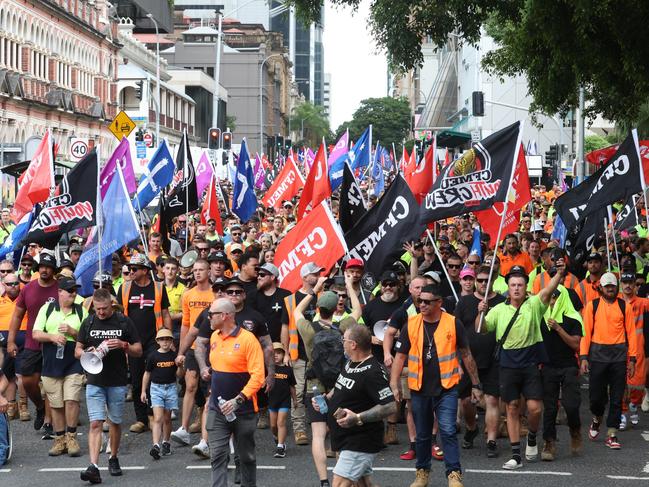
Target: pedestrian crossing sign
[{"x": 122, "y": 125}]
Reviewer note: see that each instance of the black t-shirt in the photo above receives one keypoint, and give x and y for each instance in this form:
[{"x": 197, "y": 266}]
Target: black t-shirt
[
  {"x": 482, "y": 344},
  {"x": 247, "y": 318},
  {"x": 560, "y": 354},
  {"x": 272, "y": 308},
  {"x": 94, "y": 331},
  {"x": 377, "y": 310},
  {"x": 430, "y": 385},
  {"x": 162, "y": 366},
  {"x": 309, "y": 313},
  {"x": 400, "y": 316},
  {"x": 140, "y": 310},
  {"x": 359, "y": 387},
  {"x": 280, "y": 394},
  {"x": 250, "y": 287},
  {"x": 445, "y": 288}
]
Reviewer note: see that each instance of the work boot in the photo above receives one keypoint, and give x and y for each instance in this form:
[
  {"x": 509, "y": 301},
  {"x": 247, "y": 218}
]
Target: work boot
[
  {"x": 455, "y": 479},
  {"x": 390, "y": 437},
  {"x": 23, "y": 410},
  {"x": 263, "y": 422},
  {"x": 549, "y": 451},
  {"x": 575, "y": 441},
  {"x": 195, "y": 427},
  {"x": 301, "y": 438},
  {"x": 73, "y": 445},
  {"x": 59, "y": 447},
  {"x": 12, "y": 410},
  {"x": 138, "y": 427},
  {"x": 421, "y": 478},
  {"x": 645, "y": 402}
]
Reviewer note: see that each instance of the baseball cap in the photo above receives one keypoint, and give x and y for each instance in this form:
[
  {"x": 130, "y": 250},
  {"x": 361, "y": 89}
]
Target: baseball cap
[
  {"x": 516, "y": 271},
  {"x": 467, "y": 271},
  {"x": 627, "y": 276},
  {"x": 47, "y": 260},
  {"x": 328, "y": 300},
  {"x": 287, "y": 204},
  {"x": 181, "y": 234},
  {"x": 66, "y": 263},
  {"x": 399, "y": 267},
  {"x": 164, "y": 333},
  {"x": 278, "y": 346},
  {"x": 27, "y": 258},
  {"x": 68, "y": 284},
  {"x": 270, "y": 269},
  {"x": 161, "y": 259},
  {"x": 389, "y": 276},
  {"x": 103, "y": 277},
  {"x": 75, "y": 248},
  {"x": 219, "y": 283},
  {"x": 434, "y": 275},
  {"x": 608, "y": 279},
  {"x": 594, "y": 256},
  {"x": 235, "y": 281},
  {"x": 235, "y": 246},
  {"x": 354, "y": 263},
  {"x": 310, "y": 268}
]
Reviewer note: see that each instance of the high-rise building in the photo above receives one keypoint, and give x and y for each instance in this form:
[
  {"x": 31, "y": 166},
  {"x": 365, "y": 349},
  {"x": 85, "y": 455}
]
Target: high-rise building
[{"x": 326, "y": 101}]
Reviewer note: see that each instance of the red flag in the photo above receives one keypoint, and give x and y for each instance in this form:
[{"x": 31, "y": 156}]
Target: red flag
[
  {"x": 316, "y": 238},
  {"x": 421, "y": 179},
  {"x": 286, "y": 185},
  {"x": 519, "y": 196},
  {"x": 210, "y": 210},
  {"x": 266, "y": 163},
  {"x": 447, "y": 158},
  {"x": 36, "y": 181},
  {"x": 317, "y": 187}
]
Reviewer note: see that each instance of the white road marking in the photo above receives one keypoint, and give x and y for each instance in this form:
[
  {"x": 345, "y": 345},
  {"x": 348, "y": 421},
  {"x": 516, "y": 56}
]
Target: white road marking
[
  {"x": 626, "y": 477},
  {"x": 74, "y": 469},
  {"x": 519, "y": 472},
  {"x": 5, "y": 470},
  {"x": 645, "y": 435},
  {"x": 231, "y": 467},
  {"x": 646, "y": 468}
]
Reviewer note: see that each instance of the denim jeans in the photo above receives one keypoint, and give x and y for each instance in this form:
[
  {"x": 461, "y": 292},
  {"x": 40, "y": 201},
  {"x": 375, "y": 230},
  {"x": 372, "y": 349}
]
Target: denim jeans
[{"x": 424, "y": 410}]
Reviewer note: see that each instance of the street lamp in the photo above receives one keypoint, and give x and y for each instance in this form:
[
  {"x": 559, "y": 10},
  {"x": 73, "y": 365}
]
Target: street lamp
[
  {"x": 157, "y": 75},
  {"x": 261, "y": 101}
]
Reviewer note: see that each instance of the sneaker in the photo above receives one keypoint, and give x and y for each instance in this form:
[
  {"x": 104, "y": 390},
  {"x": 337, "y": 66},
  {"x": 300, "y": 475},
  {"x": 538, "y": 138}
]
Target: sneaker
[
  {"x": 593, "y": 430},
  {"x": 113, "y": 467},
  {"x": 105, "y": 427},
  {"x": 155, "y": 452},
  {"x": 91, "y": 474},
  {"x": 48, "y": 432},
  {"x": 512, "y": 464},
  {"x": 633, "y": 414},
  {"x": 623, "y": 422},
  {"x": 181, "y": 436},
  {"x": 469, "y": 436},
  {"x": 301, "y": 438},
  {"x": 39, "y": 419},
  {"x": 612, "y": 443},
  {"x": 408, "y": 455},
  {"x": 166, "y": 448},
  {"x": 174, "y": 414},
  {"x": 492, "y": 449},
  {"x": 437, "y": 453},
  {"x": 531, "y": 451},
  {"x": 201, "y": 449},
  {"x": 280, "y": 452},
  {"x": 645, "y": 402}
]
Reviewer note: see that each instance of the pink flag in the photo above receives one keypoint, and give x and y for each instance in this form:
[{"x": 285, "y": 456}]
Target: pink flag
[
  {"x": 122, "y": 154},
  {"x": 203, "y": 173},
  {"x": 309, "y": 157},
  {"x": 340, "y": 149},
  {"x": 259, "y": 173}
]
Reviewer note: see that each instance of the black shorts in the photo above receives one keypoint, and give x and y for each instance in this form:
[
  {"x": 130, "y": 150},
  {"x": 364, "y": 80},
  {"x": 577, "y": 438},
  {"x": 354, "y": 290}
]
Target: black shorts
[
  {"x": 190, "y": 361},
  {"x": 313, "y": 416},
  {"x": 488, "y": 378},
  {"x": 525, "y": 382},
  {"x": 29, "y": 362}
]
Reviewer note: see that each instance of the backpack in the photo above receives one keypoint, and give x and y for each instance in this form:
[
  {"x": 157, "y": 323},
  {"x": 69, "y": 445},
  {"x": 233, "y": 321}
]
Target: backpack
[
  {"x": 328, "y": 356},
  {"x": 5, "y": 439},
  {"x": 621, "y": 303},
  {"x": 78, "y": 309}
]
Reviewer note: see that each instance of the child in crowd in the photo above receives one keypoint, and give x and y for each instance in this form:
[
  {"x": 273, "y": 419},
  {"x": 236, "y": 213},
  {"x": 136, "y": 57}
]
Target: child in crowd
[
  {"x": 161, "y": 374},
  {"x": 279, "y": 399}
]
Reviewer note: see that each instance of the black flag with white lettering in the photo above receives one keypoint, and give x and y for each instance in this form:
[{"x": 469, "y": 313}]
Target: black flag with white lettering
[
  {"x": 352, "y": 205},
  {"x": 378, "y": 237},
  {"x": 183, "y": 195},
  {"x": 477, "y": 180},
  {"x": 627, "y": 217}
]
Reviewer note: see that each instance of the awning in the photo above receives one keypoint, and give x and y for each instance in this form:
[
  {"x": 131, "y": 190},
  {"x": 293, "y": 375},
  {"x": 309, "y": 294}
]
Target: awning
[{"x": 452, "y": 138}]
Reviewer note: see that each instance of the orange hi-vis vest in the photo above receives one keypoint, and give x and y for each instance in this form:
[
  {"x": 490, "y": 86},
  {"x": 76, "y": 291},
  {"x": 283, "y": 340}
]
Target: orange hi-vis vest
[
  {"x": 157, "y": 305},
  {"x": 446, "y": 345},
  {"x": 293, "y": 339}
]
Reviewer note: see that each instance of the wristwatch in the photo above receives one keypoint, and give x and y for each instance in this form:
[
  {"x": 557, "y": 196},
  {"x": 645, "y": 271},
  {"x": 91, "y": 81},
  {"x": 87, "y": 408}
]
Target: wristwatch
[
  {"x": 240, "y": 399},
  {"x": 359, "y": 420}
]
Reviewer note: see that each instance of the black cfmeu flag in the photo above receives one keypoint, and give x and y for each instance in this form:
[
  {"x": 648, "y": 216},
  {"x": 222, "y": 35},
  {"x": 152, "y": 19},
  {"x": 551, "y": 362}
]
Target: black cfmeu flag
[
  {"x": 352, "y": 206},
  {"x": 627, "y": 217},
  {"x": 183, "y": 196},
  {"x": 73, "y": 206},
  {"x": 477, "y": 180},
  {"x": 379, "y": 235}
]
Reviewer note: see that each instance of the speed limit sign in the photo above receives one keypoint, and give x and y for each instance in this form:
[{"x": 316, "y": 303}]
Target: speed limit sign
[{"x": 78, "y": 148}]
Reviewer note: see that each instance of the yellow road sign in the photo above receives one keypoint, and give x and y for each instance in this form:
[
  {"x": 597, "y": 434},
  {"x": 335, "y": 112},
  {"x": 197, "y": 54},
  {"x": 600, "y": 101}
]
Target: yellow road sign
[{"x": 122, "y": 125}]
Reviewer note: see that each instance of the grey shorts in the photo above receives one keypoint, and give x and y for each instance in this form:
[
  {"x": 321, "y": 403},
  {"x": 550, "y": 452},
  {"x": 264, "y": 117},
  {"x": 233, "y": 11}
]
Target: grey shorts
[{"x": 353, "y": 465}]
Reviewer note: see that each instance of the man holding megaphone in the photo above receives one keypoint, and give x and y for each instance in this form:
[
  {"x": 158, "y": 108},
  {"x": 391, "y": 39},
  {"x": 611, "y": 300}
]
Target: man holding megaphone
[{"x": 108, "y": 336}]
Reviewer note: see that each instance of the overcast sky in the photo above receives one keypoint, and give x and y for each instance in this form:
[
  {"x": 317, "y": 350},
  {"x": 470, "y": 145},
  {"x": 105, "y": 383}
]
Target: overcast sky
[{"x": 357, "y": 69}]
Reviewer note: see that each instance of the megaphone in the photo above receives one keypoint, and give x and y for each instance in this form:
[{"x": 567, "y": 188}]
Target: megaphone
[
  {"x": 379, "y": 329},
  {"x": 188, "y": 258},
  {"x": 91, "y": 362}
]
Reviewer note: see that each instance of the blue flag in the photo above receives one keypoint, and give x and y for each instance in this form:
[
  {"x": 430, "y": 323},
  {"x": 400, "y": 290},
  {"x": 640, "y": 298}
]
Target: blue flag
[
  {"x": 559, "y": 232},
  {"x": 360, "y": 155},
  {"x": 244, "y": 201},
  {"x": 377, "y": 173},
  {"x": 158, "y": 174},
  {"x": 18, "y": 234},
  {"x": 476, "y": 248},
  {"x": 120, "y": 227}
]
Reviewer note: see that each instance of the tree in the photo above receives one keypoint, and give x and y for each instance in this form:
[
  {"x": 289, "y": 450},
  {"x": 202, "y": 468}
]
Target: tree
[
  {"x": 390, "y": 119},
  {"x": 558, "y": 45},
  {"x": 231, "y": 123},
  {"x": 594, "y": 142},
  {"x": 313, "y": 119}
]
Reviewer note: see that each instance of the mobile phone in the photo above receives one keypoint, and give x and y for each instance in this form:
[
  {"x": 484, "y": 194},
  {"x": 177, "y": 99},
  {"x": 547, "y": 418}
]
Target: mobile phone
[{"x": 338, "y": 413}]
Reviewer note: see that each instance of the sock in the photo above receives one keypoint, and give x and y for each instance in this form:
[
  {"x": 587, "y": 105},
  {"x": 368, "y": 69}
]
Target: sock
[
  {"x": 413, "y": 444},
  {"x": 516, "y": 451},
  {"x": 155, "y": 444},
  {"x": 59, "y": 433},
  {"x": 611, "y": 432},
  {"x": 324, "y": 483},
  {"x": 95, "y": 465},
  {"x": 71, "y": 429},
  {"x": 531, "y": 438},
  {"x": 281, "y": 445}
]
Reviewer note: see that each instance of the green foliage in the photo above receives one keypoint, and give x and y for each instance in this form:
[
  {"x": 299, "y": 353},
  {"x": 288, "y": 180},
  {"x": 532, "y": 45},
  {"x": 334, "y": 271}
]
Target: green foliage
[
  {"x": 316, "y": 124},
  {"x": 390, "y": 119},
  {"x": 231, "y": 122},
  {"x": 594, "y": 142}
]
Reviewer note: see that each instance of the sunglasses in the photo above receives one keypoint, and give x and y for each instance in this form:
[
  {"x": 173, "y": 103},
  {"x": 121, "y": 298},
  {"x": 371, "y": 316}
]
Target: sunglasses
[
  {"x": 343, "y": 296},
  {"x": 481, "y": 281},
  {"x": 262, "y": 275},
  {"x": 453, "y": 266},
  {"x": 165, "y": 339},
  {"x": 202, "y": 249},
  {"x": 3, "y": 271},
  {"x": 473, "y": 262},
  {"x": 234, "y": 292},
  {"x": 236, "y": 234},
  {"x": 12, "y": 284},
  {"x": 428, "y": 302},
  {"x": 25, "y": 264},
  {"x": 135, "y": 269},
  {"x": 213, "y": 313},
  {"x": 389, "y": 284}
]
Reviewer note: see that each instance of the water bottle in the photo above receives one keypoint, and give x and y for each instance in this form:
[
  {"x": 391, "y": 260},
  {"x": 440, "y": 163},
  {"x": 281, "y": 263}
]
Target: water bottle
[
  {"x": 320, "y": 399},
  {"x": 229, "y": 417},
  {"x": 60, "y": 350}
]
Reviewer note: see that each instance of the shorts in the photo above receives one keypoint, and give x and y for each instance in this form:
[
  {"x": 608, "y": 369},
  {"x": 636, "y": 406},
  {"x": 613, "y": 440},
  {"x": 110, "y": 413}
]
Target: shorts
[
  {"x": 525, "y": 381},
  {"x": 61, "y": 389},
  {"x": 164, "y": 396},
  {"x": 312, "y": 415},
  {"x": 488, "y": 378},
  {"x": 98, "y": 399},
  {"x": 29, "y": 362},
  {"x": 190, "y": 362},
  {"x": 405, "y": 390},
  {"x": 280, "y": 409},
  {"x": 354, "y": 465}
]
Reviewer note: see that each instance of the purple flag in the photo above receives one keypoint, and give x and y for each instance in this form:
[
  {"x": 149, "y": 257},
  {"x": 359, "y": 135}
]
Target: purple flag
[
  {"x": 309, "y": 157},
  {"x": 259, "y": 174},
  {"x": 203, "y": 173},
  {"x": 340, "y": 149},
  {"x": 122, "y": 154}
]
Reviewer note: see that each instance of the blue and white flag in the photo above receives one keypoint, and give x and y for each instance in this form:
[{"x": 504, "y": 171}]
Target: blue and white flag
[
  {"x": 377, "y": 173},
  {"x": 244, "y": 201},
  {"x": 559, "y": 232},
  {"x": 158, "y": 174},
  {"x": 18, "y": 234},
  {"x": 360, "y": 155},
  {"x": 476, "y": 248}
]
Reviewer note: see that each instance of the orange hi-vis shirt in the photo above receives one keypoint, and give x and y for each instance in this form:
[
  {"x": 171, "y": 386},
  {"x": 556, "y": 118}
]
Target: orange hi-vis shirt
[
  {"x": 542, "y": 280},
  {"x": 237, "y": 363},
  {"x": 522, "y": 259},
  {"x": 587, "y": 291},
  {"x": 639, "y": 306},
  {"x": 7, "y": 307},
  {"x": 609, "y": 336},
  {"x": 193, "y": 302}
]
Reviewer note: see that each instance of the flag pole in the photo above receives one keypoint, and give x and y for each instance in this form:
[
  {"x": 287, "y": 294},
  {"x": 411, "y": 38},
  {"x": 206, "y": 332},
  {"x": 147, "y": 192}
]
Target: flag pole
[
  {"x": 100, "y": 215},
  {"x": 643, "y": 183},
  {"x": 608, "y": 249},
  {"x": 185, "y": 165},
  {"x": 439, "y": 256},
  {"x": 610, "y": 219}
]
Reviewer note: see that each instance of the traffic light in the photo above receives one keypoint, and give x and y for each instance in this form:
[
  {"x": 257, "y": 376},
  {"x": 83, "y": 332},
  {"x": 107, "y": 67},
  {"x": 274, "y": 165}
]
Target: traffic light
[
  {"x": 138, "y": 89},
  {"x": 227, "y": 140},
  {"x": 477, "y": 99},
  {"x": 552, "y": 156},
  {"x": 214, "y": 138},
  {"x": 288, "y": 143},
  {"x": 139, "y": 135},
  {"x": 279, "y": 143}
]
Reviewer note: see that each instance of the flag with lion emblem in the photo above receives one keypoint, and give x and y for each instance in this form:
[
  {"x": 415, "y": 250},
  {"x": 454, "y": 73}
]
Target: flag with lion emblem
[{"x": 477, "y": 180}]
